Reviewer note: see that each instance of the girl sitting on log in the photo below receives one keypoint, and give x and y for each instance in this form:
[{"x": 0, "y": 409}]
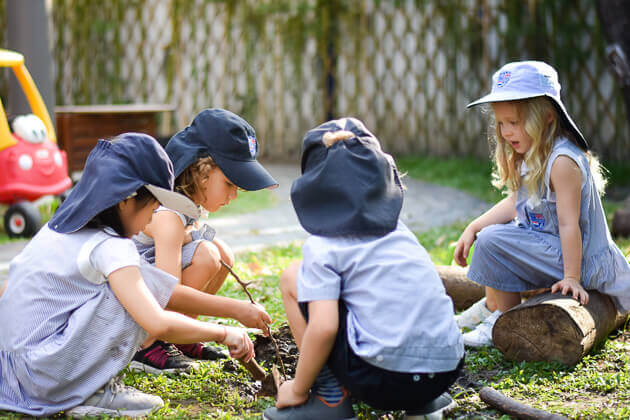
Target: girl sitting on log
[{"x": 550, "y": 230}]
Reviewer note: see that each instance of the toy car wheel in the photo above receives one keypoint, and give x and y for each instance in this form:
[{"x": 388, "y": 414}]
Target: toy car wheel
[{"x": 22, "y": 219}]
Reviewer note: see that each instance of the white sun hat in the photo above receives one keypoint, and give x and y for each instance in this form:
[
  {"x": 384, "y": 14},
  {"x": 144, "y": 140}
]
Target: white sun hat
[{"x": 529, "y": 79}]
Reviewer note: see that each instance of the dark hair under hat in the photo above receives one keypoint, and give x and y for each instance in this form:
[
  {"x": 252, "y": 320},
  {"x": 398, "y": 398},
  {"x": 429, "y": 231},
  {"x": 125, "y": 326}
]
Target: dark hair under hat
[
  {"x": 348, "y": 188},
  {"x": 229, "y": 140},
  {"x": 114, "y": 170}
]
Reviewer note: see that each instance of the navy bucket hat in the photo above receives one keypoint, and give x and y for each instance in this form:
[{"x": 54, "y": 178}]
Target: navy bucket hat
[
  {"x": 348, "y": 188},
  {"x": 229, "y": 140},
  {"x": 114, "y": 170}
]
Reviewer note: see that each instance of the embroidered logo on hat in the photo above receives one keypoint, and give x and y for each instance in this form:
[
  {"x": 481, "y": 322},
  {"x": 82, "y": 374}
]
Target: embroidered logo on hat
[
  {"x": 503, "y": 78},
  {"x": 253, "y": 146}
]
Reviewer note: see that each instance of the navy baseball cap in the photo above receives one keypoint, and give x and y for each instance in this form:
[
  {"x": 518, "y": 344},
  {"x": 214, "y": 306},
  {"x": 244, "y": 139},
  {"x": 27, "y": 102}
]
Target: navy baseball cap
[
  {"x": 229, "y": 140},
  {"x": 350, "y": 187},
  {"x": 114, "y": 170}
]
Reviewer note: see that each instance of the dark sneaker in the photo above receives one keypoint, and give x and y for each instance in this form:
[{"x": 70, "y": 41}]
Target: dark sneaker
[
  {"x": 201, "y": 351},
  {"x": 116, "y": 399},
  {"x": 161, "y": 357},
  {"x": 433, "y": 410},
  {"x": 313, "y": 409}
]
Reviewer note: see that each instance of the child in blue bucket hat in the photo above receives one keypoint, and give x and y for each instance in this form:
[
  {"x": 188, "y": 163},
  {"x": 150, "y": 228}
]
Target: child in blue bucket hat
[
  {"x": 79, "y": 299},
  {"x": 366, "y": 306},
  {"x": 551, "y": 230},
  {"x": 212, "y": 157}
]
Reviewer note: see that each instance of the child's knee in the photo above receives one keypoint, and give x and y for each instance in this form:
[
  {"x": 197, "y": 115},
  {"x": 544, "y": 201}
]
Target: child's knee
[
  {"x": 207, "y": 255},
  {"x": 488, "y": 238},
  {"x": 288, "y": 279},
  {"x": 225, "y": 252}
]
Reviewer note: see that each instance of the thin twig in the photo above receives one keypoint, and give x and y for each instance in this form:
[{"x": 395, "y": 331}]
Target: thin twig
[{"x": 273, "y": 340}]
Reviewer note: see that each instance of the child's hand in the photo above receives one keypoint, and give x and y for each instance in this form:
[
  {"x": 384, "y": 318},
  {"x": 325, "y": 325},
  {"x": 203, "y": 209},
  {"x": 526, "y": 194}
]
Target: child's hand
[
  {"x": 463, "y": 246},
  {"x": 255, "y": 316},
  {"x": 573, "y": 286},
  {"x": 287, "y": 397},
  {"x": 239, "y": 344}
]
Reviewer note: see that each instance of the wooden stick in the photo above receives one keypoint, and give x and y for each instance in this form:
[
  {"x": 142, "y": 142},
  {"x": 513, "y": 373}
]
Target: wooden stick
[
  {"x": 251, "y": 299},
  {"x": 514, "y": 408}
]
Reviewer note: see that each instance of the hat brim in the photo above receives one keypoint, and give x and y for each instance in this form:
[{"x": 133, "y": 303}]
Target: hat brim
[
  {"x": 174, "y": 201},
  {"x": 247, "y": 175},
  {"x": 505, "y": 96}
]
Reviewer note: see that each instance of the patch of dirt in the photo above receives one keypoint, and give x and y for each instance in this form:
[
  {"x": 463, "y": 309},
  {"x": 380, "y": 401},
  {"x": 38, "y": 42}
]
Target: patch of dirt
[{"x": 266, "y": 351}]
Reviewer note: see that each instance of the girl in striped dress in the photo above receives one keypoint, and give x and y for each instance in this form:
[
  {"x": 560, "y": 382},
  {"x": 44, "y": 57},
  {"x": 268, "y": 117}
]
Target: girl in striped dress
[
  {"x": 550, "y": 231},
  {"x": 79, "y": 300}
]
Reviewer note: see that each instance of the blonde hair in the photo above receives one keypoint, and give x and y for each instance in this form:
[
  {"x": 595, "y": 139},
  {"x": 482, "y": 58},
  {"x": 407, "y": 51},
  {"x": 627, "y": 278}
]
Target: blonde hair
[
  {"x": 534, "y": 113},
  {"x": 332, "y": 137},
  {"x": 189, "y": 182}
]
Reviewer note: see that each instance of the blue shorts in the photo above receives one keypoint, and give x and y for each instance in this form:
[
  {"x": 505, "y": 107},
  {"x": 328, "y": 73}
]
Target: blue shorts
[
  {"x": 512, "y": 258},
  {"x": 379, "y": 388}
]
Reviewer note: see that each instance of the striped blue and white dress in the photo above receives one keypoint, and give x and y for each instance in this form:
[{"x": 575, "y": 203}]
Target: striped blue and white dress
[
  {"x": 63, "y": 332},
  {"x": 526, "y": 253}
]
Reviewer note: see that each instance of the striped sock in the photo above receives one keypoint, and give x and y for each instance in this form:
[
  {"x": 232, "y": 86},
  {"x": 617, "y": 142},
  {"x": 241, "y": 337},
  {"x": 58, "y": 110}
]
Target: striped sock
[{"x": 327, "y": 387}]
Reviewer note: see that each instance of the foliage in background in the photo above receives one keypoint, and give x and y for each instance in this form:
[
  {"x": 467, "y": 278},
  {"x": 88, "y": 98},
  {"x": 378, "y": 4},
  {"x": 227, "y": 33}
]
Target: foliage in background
[{"x": 407, "y": 68}]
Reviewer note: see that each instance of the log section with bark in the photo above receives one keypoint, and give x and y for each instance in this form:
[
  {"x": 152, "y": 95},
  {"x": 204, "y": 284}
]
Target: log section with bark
[{"x": 553, "y": 327}]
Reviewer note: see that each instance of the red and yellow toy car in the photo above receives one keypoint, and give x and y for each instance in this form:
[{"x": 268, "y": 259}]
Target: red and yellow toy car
[{"x": 31, "y": 164}]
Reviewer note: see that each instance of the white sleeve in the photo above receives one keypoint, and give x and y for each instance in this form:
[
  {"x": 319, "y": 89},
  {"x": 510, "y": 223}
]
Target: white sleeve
[
  {"x": 112, "y": 254},
  {"x": 317, "y": 278}
]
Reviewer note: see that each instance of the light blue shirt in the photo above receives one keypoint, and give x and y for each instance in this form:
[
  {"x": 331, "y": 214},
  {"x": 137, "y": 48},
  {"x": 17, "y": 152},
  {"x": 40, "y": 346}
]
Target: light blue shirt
[{"x": 399, "y": 316}]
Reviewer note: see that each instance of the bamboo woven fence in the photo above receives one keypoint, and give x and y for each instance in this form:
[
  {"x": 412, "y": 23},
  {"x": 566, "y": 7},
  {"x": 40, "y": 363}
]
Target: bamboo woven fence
[{"x": 407, "y": 68}]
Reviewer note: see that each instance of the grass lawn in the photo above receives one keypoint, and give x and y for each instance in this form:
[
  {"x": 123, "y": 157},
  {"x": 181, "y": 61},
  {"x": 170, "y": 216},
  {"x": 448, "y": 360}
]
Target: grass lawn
[{"x": 598, "y": 387}]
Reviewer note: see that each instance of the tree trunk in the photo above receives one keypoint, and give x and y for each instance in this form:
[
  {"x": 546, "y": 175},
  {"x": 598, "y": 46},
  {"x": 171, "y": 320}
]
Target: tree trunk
[
  {"x": 614, "y": 16},
  {"x": 463, "y": 291},
  {"x": 552, "y": 327},
  {"x": 621, "y": 222}
]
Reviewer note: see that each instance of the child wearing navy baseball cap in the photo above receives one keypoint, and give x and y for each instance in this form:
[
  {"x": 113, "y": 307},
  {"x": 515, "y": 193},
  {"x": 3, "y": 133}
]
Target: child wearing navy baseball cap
[
  {"x": 366, "y": 306},
  {"x": 212, "y": 158}
]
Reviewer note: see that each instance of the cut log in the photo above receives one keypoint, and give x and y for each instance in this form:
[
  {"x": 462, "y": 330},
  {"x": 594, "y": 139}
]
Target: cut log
[
  {"x": 463, "y": 291},
  {"x": 553, "y": 327},
  {"x": 621, "y": 222},
  {"x": 507, "y": 405}
]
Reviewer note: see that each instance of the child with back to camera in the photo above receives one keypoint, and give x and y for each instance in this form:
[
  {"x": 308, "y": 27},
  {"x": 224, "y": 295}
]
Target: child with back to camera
[
  {"x": 79, "y": 299},
  {"x": 366, "y": 306},
  {"x": 550, "y": 230},
  {"x": 212, "y": 157}
]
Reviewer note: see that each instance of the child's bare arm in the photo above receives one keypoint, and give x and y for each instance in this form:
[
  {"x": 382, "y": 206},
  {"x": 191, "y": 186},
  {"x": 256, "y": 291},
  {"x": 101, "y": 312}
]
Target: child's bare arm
[
  {"x": 168, "y": 232},
  {"x": 566, "y": 181},
  {"x": 317, "y": 342},
  {"x": 502, "y": 212},
  {"x": 133, "y": 294},
  {"x": 189, "y": 300}
]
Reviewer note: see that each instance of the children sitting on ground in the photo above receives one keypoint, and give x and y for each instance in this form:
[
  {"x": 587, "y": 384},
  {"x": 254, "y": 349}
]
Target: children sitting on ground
[
  {"x": 79, "y": 298},
  {"x": 366, "y": 307},
  {"x": 212, "y": 158},
  {"x": 550, "y": 230}
]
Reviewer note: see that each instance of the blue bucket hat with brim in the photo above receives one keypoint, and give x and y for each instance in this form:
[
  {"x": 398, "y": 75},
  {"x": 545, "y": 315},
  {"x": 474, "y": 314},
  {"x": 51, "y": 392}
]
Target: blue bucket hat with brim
[
  {"x": 530, "y": 79},
  {"x": 348, "y": 188},
  {"x": 231, "y": 143},
  {"x": 114, "y": 170}
]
